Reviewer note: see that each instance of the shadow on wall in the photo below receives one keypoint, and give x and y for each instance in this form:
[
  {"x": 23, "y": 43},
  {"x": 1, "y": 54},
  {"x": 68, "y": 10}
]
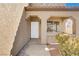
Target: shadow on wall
[{"x": 22, "y": 35}]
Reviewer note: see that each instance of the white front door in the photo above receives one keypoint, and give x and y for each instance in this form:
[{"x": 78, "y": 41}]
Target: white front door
[{"x": 34, "y": 29}]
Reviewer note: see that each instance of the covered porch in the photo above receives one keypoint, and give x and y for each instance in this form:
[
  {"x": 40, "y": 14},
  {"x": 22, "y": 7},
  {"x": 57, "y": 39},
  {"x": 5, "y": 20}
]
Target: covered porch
[{"x": 48, "y": 22}]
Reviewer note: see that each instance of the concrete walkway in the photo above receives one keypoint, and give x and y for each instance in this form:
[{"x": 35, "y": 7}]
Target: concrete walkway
[{"x": 34, "y": 48}]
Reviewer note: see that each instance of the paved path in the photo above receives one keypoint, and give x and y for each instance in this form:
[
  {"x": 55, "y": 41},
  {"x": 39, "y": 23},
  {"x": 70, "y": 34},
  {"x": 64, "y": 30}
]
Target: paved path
[{"x": 34, "y": 48}]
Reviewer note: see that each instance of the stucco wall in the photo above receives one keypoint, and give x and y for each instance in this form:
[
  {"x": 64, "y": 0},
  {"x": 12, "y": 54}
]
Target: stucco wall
[
  {"x": 10, "y": 15},
  {"x": 44, "y": 15},
  {"x": 22, "y": 35}
]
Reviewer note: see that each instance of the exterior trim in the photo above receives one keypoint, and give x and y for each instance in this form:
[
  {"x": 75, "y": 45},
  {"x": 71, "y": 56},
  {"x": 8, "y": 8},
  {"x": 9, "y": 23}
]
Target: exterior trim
[{"x": 51, "y": 9}]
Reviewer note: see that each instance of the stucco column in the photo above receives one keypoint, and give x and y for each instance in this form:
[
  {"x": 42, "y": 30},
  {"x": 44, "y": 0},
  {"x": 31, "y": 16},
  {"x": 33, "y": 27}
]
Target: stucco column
[
  {"x": 43, "y": 30},
  {"x": 61, "y": 25}
]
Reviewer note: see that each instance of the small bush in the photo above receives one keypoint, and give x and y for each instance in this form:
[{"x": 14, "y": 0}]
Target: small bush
[{"x": 68, "y": 45}]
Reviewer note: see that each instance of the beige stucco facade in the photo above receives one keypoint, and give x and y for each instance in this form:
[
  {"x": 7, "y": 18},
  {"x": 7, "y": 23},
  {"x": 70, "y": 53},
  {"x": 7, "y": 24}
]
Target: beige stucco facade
[
  {"x": 10, "y": 16},
  {"x": 23, "y": 34},
  {"x": 45, "y": 15},
  {"x": 15, "y": 26}
]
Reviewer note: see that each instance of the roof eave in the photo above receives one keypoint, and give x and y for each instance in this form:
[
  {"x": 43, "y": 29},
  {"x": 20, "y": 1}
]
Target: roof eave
[{"x": 51, "y": 9}]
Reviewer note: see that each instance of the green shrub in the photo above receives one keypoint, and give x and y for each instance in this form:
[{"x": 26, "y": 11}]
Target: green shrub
[{"x": 68, "y": 45}]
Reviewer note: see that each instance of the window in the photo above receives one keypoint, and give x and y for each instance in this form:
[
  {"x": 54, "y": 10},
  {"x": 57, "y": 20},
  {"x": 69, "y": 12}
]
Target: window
[
  {"x": 69, "y": 26},
  {"x": 52, "y": 26}
]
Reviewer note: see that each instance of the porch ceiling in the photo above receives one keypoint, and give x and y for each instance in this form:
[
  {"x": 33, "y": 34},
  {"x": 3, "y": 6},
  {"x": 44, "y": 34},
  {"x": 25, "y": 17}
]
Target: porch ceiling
[{"x": 33, "y": 18}]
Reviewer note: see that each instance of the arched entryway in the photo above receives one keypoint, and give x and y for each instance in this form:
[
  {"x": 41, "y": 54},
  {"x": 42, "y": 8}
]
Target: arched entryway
[
  {"x": 34, "y": 47},
  {"x": 58, "y": 24},
  {"x": 35, "y": 28},
  {"x": 54, "y": 26}
]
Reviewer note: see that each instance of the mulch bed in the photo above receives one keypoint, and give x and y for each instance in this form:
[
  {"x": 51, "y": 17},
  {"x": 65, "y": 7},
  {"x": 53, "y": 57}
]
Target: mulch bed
[{"x": 55, "y": 51}]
